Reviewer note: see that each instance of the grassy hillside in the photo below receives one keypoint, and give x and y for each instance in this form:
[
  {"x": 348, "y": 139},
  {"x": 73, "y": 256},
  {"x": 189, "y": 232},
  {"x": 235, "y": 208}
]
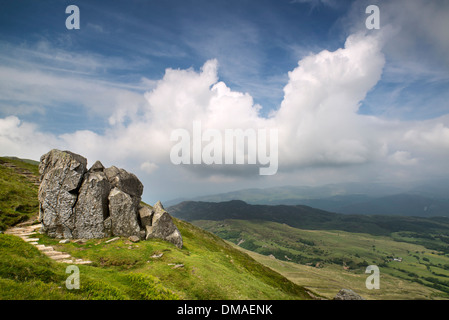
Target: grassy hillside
[
  {"x": 18, "y": 191},
  {"x": 325, "y": 260},
  {"x": 205, "y": 268}
]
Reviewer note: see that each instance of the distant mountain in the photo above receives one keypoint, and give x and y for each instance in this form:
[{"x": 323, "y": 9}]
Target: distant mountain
[
  {"x": 401, "y": 205},
  {"x": 278, "y": 195},
  {"x": 305, "y": 217},
  {"x": 424, "y": 199}
]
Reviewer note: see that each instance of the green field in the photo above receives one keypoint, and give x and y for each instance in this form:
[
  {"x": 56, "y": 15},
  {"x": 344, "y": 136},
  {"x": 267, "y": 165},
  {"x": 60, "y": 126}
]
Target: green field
[
  {"x": 205, "y": 268},
  {"x": 326, "y": 261},
  {"x": 211, "y": 269}
]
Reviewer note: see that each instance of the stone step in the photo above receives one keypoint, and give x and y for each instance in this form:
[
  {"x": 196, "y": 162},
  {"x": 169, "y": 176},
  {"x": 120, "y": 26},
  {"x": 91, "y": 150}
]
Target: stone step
[
  {"x": 17, "y": 234},
  {"x": 67, "y": 261},
  {"x": 53, "y": 253},
  {"x": 44, "y": 248},
  {"x": 22, "y": 234},
  {"x": 60, "y": 257},
  {"x": 16, "y": 229},
  {"x": 83, "y": 262}
]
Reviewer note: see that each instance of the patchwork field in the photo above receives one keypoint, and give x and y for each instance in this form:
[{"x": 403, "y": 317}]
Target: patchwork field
[{"x": 326, "y": 261}]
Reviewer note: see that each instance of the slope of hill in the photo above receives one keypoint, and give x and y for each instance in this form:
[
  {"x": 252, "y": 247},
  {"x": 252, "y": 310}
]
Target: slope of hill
[
  {"x": 316, "y": 248},
  {"x": 325, "y": 260},
  {"x": 18, "y": 190},
  {"x": 205, "y": 268}
]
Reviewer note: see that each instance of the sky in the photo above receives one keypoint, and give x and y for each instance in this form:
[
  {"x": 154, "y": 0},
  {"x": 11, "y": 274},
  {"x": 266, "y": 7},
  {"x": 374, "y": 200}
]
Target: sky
[{"x": 348, "y": 103}]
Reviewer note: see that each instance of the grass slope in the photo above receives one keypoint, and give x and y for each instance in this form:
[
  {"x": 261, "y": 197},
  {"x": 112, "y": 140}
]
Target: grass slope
[
  {"x": 206, "y": 267},
  {"x": 328, "y": 260},
  {"x": 18, "y": 200}
]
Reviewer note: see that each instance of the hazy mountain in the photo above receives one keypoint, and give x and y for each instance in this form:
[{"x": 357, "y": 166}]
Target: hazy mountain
[
  {"x": 305, "y": 217},
  {"x": 420, "y": 199}
]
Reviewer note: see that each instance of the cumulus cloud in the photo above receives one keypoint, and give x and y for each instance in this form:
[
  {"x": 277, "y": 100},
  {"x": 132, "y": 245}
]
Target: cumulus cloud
[
  {"x": 318, "y": 121},
  {"x": 417, "y": 41},
  {"x": 318, "y": 116},
  {"x": 23, "y": 139}
]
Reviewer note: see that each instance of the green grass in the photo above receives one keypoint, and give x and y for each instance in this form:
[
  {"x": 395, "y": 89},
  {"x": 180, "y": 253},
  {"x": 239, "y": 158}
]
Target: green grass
[
  {"x": 326, "y": 260},
  {"x": 18, "y": 195},
  {"x": 205, "y": 268},
  {"x": 211, "y": 268}
]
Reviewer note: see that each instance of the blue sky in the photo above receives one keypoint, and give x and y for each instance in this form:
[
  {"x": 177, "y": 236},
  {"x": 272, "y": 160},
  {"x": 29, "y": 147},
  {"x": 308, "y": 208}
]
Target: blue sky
[
  {"x": 255, "y": 42},
  {"x": 106, "y": 90}
]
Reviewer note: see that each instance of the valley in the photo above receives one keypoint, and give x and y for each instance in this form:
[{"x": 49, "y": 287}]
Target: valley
[{"x": 411, "y": 253}]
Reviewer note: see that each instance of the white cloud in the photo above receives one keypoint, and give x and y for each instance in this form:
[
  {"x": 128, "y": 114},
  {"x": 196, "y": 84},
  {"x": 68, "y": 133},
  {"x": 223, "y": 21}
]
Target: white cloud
[
  {"x": 39, "y": 88},
  {"x": 415, "y": 35},
  {"x": 318, "y": 121},
  {"x": 148, "y": 167},
  {"x": 403, "y": 158},
  {"x": 22, "y": 139},
  {"x": 432, "y": 136},
  {"x": 318, "y": 116}
]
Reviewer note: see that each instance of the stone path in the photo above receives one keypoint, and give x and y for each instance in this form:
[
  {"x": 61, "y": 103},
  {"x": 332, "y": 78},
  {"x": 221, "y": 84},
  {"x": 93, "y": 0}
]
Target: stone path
[
  {"x": 23, "y": 172},
  {"x": 26, "y": 232}
]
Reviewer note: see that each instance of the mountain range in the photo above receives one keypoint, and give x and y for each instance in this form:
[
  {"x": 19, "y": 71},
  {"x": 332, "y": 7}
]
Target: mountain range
[
  {"x": 305, "y": 217},
  {"x": 424, "y": 199}
]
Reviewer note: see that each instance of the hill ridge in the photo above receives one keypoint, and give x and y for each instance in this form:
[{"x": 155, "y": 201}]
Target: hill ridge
[{"x": 306, "y": 217}]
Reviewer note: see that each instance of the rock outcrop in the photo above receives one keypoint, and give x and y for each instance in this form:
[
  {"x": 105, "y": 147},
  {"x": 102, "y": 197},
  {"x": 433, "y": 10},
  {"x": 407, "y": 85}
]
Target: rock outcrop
[
  {"x": 76, "y": 203},
  {"x": 62, "y": 174},
  {"x": 347, "y": 294},
  {"x": 162, "y": 226}
]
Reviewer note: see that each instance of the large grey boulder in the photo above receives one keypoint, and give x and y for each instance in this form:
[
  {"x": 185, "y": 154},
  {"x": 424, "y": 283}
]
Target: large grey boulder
[
  {"x": 125, "y": 181},
  {"x": 100, "y": 202},
  {"x": 162, "y": 226},
  {"x": 123, "y": 213},
  {"x": 97, "y": 167},
  {"x": 91, "y": 209},
  {"x": 146, "y": 218},
  {"x": 61, "y": 176},
  {"x": 347, "y": 294}
]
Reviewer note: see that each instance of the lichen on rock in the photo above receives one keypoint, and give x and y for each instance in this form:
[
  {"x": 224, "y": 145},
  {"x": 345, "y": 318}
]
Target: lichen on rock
[{"x": 76, "y": 203}]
